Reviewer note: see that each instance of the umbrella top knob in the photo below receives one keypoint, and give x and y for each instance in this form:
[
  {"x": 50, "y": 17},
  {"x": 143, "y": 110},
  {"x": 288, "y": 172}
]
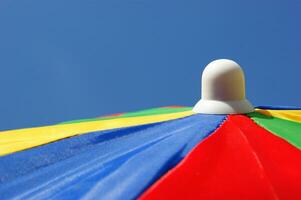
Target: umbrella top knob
[{"x": 223, "y": 89}]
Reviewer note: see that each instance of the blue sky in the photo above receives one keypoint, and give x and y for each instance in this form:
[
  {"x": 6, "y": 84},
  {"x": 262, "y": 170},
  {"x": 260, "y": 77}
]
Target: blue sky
[{"x": 73, "y": 59}]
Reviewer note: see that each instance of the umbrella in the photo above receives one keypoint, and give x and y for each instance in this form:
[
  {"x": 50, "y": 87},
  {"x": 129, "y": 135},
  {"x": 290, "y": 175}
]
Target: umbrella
[{"x": 220, "y": 149}]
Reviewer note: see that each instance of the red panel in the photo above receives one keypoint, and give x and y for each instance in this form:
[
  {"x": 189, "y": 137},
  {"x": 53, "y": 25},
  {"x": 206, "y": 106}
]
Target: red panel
[{"x": 239, "y": 161}]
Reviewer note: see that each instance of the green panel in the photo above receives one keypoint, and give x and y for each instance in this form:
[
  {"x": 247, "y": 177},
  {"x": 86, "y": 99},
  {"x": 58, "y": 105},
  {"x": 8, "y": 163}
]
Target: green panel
[
  {"x": 288, "y": 130},
  {"x": 153, "y": 111}
]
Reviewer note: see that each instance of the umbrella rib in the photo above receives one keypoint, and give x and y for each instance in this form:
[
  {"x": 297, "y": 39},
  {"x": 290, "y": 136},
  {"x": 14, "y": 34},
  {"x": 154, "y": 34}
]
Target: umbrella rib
[{"x": 258, "y": 161}]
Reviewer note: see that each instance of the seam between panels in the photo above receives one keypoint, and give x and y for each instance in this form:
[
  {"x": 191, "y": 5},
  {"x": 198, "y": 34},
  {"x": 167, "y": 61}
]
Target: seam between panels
[
  {"x": 186, "y": 156},
  {"x": 220, "y": 125},
  {"x": 291, "y": 143},
  {"x": 258, "y": 161},
  {"x": 257, "y": 124}
]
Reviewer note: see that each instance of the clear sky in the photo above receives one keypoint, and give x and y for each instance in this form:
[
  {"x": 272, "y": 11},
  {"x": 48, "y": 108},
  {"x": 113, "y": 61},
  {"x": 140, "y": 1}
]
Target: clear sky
[{"x": 71, "y": 59}]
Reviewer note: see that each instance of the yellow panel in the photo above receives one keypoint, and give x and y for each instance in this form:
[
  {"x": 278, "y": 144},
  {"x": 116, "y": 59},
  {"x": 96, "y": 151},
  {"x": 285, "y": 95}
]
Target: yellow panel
[
  {"x": 17, "y": 140},
  {"x": 292, "y": 115}
]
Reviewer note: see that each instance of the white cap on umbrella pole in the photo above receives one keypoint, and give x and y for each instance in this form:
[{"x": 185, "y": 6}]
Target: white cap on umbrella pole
[{"x": 223, "y": 89}]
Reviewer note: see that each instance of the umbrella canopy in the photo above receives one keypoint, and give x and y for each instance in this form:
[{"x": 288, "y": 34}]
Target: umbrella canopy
[
  {"x": 222, "y": 148},
  {"x": 160, "y": 153},
  {"x": 254, "y": 156}
]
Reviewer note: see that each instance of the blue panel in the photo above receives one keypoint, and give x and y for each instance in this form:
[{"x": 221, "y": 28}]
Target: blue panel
[{"x": 116, "y": 164}]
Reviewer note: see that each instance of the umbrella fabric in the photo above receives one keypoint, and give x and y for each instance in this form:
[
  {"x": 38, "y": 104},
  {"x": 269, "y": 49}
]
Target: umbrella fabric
[
  {"x": 12, "y": 141},
  {"x": 160, "y": 153},
  {"x": 113, "y": 163},
  {"x": 239, "y": 161}
]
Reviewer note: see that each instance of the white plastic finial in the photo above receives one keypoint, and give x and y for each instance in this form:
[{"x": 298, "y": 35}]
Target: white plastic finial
[{"x": 223, "y": 89}]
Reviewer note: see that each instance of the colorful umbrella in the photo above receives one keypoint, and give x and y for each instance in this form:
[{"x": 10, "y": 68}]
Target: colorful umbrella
[{"x": 161, "y": 153}]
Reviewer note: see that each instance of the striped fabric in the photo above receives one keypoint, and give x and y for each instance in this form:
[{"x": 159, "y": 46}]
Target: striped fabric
[{"x": 160, "y": 153}]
